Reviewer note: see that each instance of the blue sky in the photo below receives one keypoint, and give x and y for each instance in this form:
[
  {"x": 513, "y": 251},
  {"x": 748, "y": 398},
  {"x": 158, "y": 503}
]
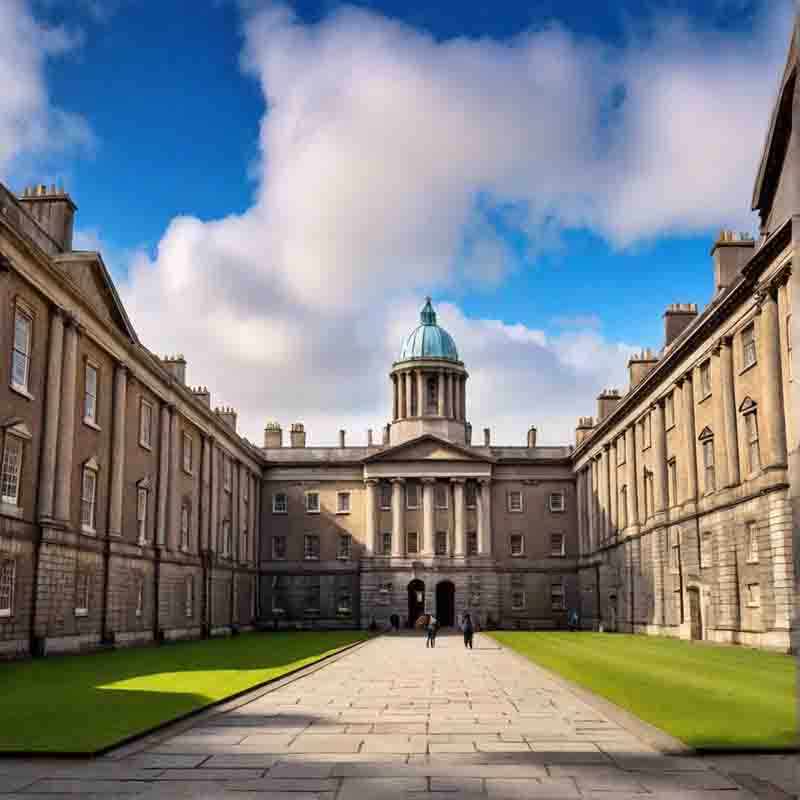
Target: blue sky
[{"x": 187, "y": 158}]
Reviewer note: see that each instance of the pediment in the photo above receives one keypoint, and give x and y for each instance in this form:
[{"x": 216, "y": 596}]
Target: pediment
[{"x": 428, "y": 448}]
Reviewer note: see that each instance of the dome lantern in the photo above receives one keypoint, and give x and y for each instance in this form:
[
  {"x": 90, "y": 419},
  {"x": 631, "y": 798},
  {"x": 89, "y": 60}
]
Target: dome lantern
[{"x": 428, "y": 340}]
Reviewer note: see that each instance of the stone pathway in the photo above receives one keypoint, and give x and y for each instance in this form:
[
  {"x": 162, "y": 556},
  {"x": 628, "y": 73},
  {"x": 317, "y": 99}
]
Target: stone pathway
[{"x": 394, "y": 720}]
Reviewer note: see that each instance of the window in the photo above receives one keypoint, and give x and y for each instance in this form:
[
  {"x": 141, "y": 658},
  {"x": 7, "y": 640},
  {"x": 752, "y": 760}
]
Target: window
[
  {"x": 517, "y": 600},
  {"x": 708, "y": 464},
  {"x": 278, "y": 548},
  {"x": 139, "y": 597},
  {"x": 385, "y": 496},
  {"x": 752, "y": 543},
  {"x": 440, "y": 495},
  {"x": 81, "y": 595},
  {"x": 433, "y": 397},
  {"x": 706, "y": 550},
  {"x": 674, "y": 553},
  {"x": 515, "y": 501},
  {"x": 145, "y": 424},
  {"x": 441, "y": 543},
  {"x": 343, "y": 502},
  {"x": 184, "y": 527},
  {"x": 557, "y": 545},
  {"x": 141, "y": 514},
  {"x": 280, "y": 594},
  {"x": 623, "y": 508},
  {"x": 312, "y": 502},
  {"x": 753, "y": 454},
  {"x": 387, "y": 543},
  {"x": 344, "y": 600},
  {"x": 21, "y": 351},
  {"x": 412, "y": 543},
  {"x": 705, "y": 379},
  {"x": 345, "y": 550},
  {"x": 88, "y": 498},
  {"x": 386, "y": 588},
  {"x": 226, "y": 537},
  {"x": 90, "y": 395},
  {"x": 753, "y": 595},
  {"x": 471, "y": 494},
  {"x": 669, "y": 410},
  {"x": 672, "y": 487},
  {"x": 227, "y": 473},
  {"x": 187, "y": 453},
  {"x": 621, "y": 450},
  {"x": 8, "y": 573},
  {"x": 311, "y": 594},
  {"x": 516, "y": 543},
  {"x": 412, "y": 495},
  {"x": 557, "y": 503},
  {"x": 474, "y": 590},
  {"x": 188, "y": 589},
  {"x": 10, "y": 472},
  {"x": 557, "y": 597},
  {"x": 311, "y": 547},
  {"x": 647, "y": 425},
  {"x": 749, "y": 353},
  {"x": 280, "y": 503},
  {"x": 472, "y": 543}
]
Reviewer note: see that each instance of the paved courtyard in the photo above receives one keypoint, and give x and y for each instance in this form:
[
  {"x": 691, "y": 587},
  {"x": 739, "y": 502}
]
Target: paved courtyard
[{"x": 392, "y": 719}]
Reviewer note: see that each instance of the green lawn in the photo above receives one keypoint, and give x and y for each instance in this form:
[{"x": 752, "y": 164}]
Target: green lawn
[
  {"x": 81, "y": 704},
  {"x": 710, "y": 697}
]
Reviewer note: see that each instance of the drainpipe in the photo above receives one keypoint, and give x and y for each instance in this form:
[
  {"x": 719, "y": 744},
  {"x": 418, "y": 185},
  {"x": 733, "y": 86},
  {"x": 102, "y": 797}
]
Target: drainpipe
[{"x": 597, "y": 594}]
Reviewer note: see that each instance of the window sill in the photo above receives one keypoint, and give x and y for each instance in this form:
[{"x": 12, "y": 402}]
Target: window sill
[
  {"x": 342, "y": 512},
  {"x": 90, "y": 423},
  {"x": 145, "y": 446},
  {"x": 21, "y": 390},
  {"x": 310, "y": 558},
  {"x": 5, "y": 614},
  {"x": 81, "y": 612},
  {"x": 88, "y": 531},
  {"x": 311, "y": 512},
  {"x": 10, "y": 510},
  {"x": 515, "y": 511},
  {"x": 344, "y": 558},
  {"x": 412, "y": 508},
  {"x": 558, "y": 555},
  {"x": 748, "y": 367},
  {"x": 138, "y": 613},
  {"x": 281, "y": 513},
  {"x": 557, "y": 510},
  {"x": 754, "y": 605},
  {"x": 518, "y": 555},
  {"x": 752, "y": 561},
  {"x": 189, "y": 472}
]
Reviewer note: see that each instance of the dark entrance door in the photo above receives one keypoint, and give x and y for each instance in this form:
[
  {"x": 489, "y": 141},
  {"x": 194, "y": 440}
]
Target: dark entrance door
[
  {"x": 416, "y": 601},
  {"x": 694, "y": 613},
  {"x": 445, "y": 604}
]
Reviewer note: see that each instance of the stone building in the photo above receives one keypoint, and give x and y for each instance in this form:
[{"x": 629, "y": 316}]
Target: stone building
[{"x": 130, "y": 511}]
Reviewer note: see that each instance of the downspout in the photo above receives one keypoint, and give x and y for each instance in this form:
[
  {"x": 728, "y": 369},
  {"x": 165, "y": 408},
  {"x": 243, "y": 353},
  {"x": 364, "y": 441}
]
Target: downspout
[{"x": 597, "y": 594}]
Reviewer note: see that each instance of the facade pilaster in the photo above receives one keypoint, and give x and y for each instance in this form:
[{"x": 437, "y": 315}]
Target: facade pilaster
[
  {"x": 485, "y": 544},
  {"x": 581, "y": 499},
  {"x": 591, "y": 502},
  {"x": 632, "y": 477},
  {"x": 613, "y": 488},
  {"x": 205, "y": 494},
  {"x": 718, "y": 413},
  {"x": 173, "y": 509},
  {"x": 603, "y": 494},
  {"x": 689, "y": 471},
  {"x": 52, "y": 418},
  {"x": 371, "y": 524},
  {"x": 459, "y": 544},
  {"x": 427, "y": 516},
  {"x": 462, "y": 386},
  {"x": 440, "y": 387},
  {"x": 659, "y": 432},
  {"x": 398, "y": 517},
  {"x": 729, "y": 403},
  {"x": 420, "y": 393},
  {"x": 163, "y": 475},
  {"x": 213, "y": 512},
  {"x": 395, "y": 403},
  {"x": 772, "y": 382},
  {"x": 118, "y": 450},
  {"x": 66, "y": 434}
]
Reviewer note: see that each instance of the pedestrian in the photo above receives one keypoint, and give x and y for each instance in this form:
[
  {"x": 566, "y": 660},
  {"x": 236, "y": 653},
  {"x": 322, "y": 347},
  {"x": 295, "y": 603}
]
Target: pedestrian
[
  {"x": 431, "y": 628},
  {"x": 468, "y": 631},
  {"x": 573, "y": 620}
]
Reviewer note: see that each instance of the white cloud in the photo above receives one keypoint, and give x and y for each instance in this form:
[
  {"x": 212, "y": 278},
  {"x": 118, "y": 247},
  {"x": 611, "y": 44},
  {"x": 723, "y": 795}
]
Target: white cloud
[{"x": 393, "y": 163}]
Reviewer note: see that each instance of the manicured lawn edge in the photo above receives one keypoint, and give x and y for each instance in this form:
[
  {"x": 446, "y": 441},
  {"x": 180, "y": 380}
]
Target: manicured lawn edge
[{"x": 128, "y": 740}]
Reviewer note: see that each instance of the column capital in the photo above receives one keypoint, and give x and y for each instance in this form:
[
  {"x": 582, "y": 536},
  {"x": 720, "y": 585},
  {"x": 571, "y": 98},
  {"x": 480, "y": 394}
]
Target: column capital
[
  {"x": 371, "y": 481},
  {"x": 428, "y": 481},
  {"x": 5, "y": 263},
  {"x": 485, "y": 481},
  {"x": 55, "y": 309},
  {"x": 766, "y": 293},
  {"x": 606, "y": 447},
  {"x": 122, "y": 366},
  {"x": 657, "y": 403},
  {"x": 458, "y": 480},
  {"x": 71, "y": 321},
  {"x": 397, "y": 480}
]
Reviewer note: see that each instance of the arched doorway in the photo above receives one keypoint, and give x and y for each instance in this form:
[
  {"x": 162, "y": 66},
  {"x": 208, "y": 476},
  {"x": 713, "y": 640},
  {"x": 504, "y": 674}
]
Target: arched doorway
[
  {"x": 416, "y": 601},
  {"x": 445, "y": 604}
]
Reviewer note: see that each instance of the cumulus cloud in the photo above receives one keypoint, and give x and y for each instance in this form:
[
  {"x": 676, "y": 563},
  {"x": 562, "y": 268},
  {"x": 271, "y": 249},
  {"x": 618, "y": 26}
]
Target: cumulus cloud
[{"x": 393, "y": 163}]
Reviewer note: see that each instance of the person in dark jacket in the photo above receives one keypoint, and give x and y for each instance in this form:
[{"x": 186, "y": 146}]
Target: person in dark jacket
[{"x": 468, "y": 631}]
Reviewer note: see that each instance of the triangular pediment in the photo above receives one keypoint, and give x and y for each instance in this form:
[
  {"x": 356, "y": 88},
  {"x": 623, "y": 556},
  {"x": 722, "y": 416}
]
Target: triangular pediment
[
  {"x": 89, "y": 274},
  {"x": 428, "y": 448}
]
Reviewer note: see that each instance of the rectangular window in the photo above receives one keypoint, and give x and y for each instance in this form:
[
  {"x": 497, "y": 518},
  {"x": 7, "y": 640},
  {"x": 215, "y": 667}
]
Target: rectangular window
[
  {"x": 471, "y": 494},
  {"x": 88, "y": 499},
  {"x": 139, "y": 597},
  {"x": 472, "y": 543},
  {"x": 21, "y": 351},
  {"x": 8, "y": 573},
  {"x": 345, "y": 550},
  {"x": 81, "y": 595},
  {"x": 753, "y": 595},
  {"x": 672, "y": 486},
  {"x": 674, "y": 554},
  {"x": 385, "y": 496},
  {"x": 278, "y": 548},
  {"x": 557, "y": 597},
  {"x": 188, "y": 465},
  {"x": 386, "y": 588},
  {"x": 280, "y": 504},
  {"x": 145, "y": 424},
  {"x": 312, "y": 502},
  {"x": 344, "y": 601},
  {"x": 557, "y": 545},
  {"x": 387, "y": 543},
  {"x": 753, "y": 454},
  {"x": 311, "y": 547},
  {"x": 343, "y": 502},
  {"x": 227, "y": 473},
  {"x": 90, "y": 395},
  {"x": 440, "y": 495},
  {"x": 412, "y": 495},
  {"x": 515, "y": 501},
  {"x": 441, "y": 543},
  {"x": 749, "y": 353},
  {"x": 184, "y": 527},
  {"x": 557, "y": 503},
  {"x": 705, "y": 379},
  {"x": 188, "y": 589},
  {"x": 433, "y": 396},
  {"x": 708, "y": 465},
  {"x": 706, "y": 550},
  {"x": 669, "y": 410},
  {"x": 280, "y": 590},
  {"x": 517, "y": 600},
  {"x": 517, "y": 544},
  {"x": 412, "y": 543},
  {"x": 311, "y": 594},
  {"x": 752, "y": 543},
  {"x": 10, "y": 472},
  {"x": 141, "y": 514}
]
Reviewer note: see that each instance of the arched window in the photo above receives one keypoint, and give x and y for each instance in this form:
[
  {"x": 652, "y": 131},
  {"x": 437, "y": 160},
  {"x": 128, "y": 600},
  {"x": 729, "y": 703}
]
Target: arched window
[{"x": 433, "y": 396}]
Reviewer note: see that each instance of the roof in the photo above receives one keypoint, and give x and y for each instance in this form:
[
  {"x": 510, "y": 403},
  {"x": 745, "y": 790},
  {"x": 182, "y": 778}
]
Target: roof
[{"x": 428, "y": 340}]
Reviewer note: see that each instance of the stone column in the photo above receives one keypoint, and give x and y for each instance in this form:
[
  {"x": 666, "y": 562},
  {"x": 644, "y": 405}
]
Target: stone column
[
  {"x": 581, "y": 501},
  {"x": 441, "y": 392},
  {"x": 459, "y": 544},
  {"x": 689, "y": 440},
  {"x": 395, "y": 403},
  {"x": 118, "y": 450},
  {"x": 213, "y": 534},
  {"x": 659, "y": 456},
  {"x": 51, "y": 417},
  {"x": 729, "y": 403},
  {"x": 427, "y": 548},
  {"x": 603, "y": 492},
  {"x": 173, "y": 501},
  {"x": 405, "y": 396},
  {"x": 718, "y": 414},
  {"x": 371, "y": 524},
  {"x": 485, "y": 541},
  {"x": 448, "y": 394},
  {"x": 462, "y": 393},
  {"x": 66, "y": 437},
  {"x": 420, "y": 393},
  {"x": 772, "y": 417},
  {"x": 163, "y": 475},
  {"x": 205, "y": 495},
  {"x": 453, "y": 396},
  {"x": 398, "y": 518},
  {"x": 632, "y": 476},
  {"x": 591, "y": 502},
  {"x": 613, "y": 489}
]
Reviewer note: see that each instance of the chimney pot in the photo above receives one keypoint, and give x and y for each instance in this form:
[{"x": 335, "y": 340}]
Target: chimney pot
[
  {"x": 341, "y": 438},
  {"x": 297, "y": 435},
  {"x": 532, "y": 436},
  {"x": 369, "y": 437},
  {"x": 273, "y": 435},
  {"x": 386, "y": 434},
  {"x": 468, "y": 433},
  {"x": 487, "y": 437}
]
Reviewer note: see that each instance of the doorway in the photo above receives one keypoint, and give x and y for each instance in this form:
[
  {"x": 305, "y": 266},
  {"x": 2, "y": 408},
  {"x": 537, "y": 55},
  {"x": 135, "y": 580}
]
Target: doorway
[
  {"x": 445, "y": 604},
  {"x": 416, "y": 601},
  {"x": 694, "y": 613}
]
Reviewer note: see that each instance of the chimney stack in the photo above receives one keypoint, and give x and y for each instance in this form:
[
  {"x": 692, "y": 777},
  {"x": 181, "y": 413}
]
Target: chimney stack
[
  {"x": 677, "y": 319},
  {"x": 176, "y": 366},
  {"x": 468, "y": 433},
  {"x": 640, "y": 364},
  {"x": 583, "y": 430},
  {"x": 730, "y": 253},
  {"x": 607, "y": 401},
  {"x": 273, "y": 435},
  {"x": 297, "y": 435},
  {"x": 202, "y": 394},
  {"x": 53, "y": 210},
  {"x": 487, "y": 437},
  {"x": 227, "y": 415},
  {"x": 532, "y": 436},
  {"x": 341, "y": 438}
]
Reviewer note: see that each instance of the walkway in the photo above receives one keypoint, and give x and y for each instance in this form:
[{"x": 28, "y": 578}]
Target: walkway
[{"x": 393, "y": 720}]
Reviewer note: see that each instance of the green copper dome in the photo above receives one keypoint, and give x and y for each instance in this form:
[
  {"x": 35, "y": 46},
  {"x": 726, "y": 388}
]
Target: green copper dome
[{"x": 428, "y": 340}]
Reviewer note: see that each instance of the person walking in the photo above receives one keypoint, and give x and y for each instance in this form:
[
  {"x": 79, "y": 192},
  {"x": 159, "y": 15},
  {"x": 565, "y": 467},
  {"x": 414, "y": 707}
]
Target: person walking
[
  {"x": 468, "y": 631},
  {"x": 431, "y": 629}
]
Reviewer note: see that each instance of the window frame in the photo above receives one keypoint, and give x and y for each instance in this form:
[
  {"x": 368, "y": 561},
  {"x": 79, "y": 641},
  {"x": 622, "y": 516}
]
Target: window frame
[
  {"x": 415, "y": 550},
  {"x": 561, "y": 552},
  {"x": 312, "y": 552},
  {"x": 23, "y": 311},
  {"x": 522, "y": 604},
  {"x": 8, "y": 567},
  {"x": 382, "y": 492},
  {"x": 186, "y": 521},
  {"x": 308, "y": 495},
  {"x": 438, "y": 537},
  {"x": 188, "y": 450},
  {"x": 672, "y": 482},
  {"x": 471, "y": 536},
  {"x": 621, "y": 454},
  {"x": 141, "y": 514},
  {"x": 344, "y": 547},
  {"x": 754, "y": 595},
  {"x": 91, "y": 419},
  {"x": 471, "y": 487},
  {"x": 561, "y": 605},
  {"x": 752, "y": 543},
  {"x": 91, "y": 525},
  {"x": 509, "y": 502},
  {"x": 7, "y": 499},
  {"x": 274, "y": 548},
  {"x": 139, "y": 611},
  {"x": 706, "y": 384},
  {"x": 339, "y": 496},
  {"x": 520, "y": 537},
  {"x": 623, "y": 506},
  {"x": 563, "y": 497},
  {"x": 749, "y": 346},
  {"x": 188, "y": 596},
  {"x": 146, "y": 443},
  {"x": 706, "y": 549},
  {"x": 416, "y": 504},
  {"x": 227, "y": 473},
  {"x": 275, "y": 509},
  {"x": 709, "y": 465},
  {"x": 669, "y": 410},
  {"x": 440, "y": 491},
  {"x": 227, "y": 543},
  {"x": 752, "y": 437},
  {"x": 386, "y": 551},
  {"x": 82, "y": 581}
]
